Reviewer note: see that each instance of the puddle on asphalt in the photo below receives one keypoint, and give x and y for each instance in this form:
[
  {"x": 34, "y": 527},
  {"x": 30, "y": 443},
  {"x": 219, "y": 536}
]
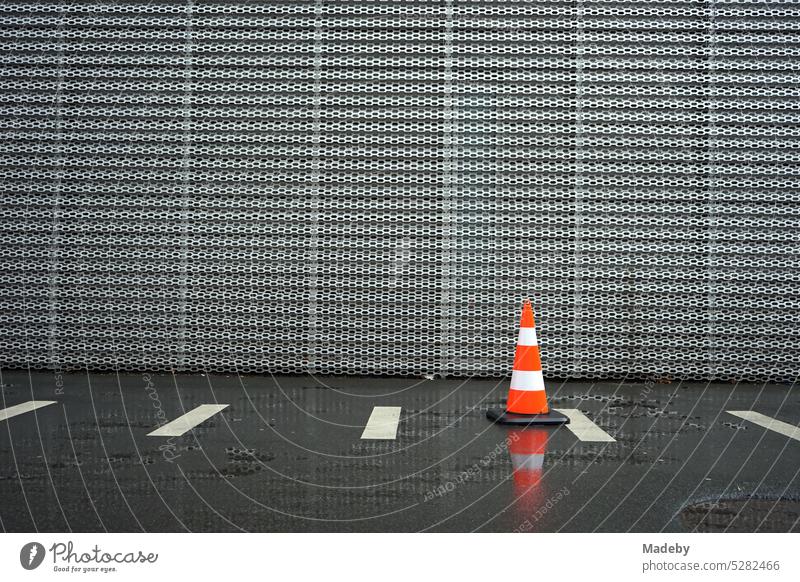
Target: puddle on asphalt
[
  {"x": 748, "y": 514},
  {"x": 242, "y": 462}
]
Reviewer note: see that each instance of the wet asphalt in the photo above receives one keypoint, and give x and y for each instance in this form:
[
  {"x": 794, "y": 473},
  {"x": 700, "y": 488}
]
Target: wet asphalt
[{"x": 287, "y": 455}]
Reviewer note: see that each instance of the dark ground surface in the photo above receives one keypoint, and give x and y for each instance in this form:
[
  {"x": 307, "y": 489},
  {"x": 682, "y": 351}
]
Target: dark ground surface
[{"x": 287, "y": 456}]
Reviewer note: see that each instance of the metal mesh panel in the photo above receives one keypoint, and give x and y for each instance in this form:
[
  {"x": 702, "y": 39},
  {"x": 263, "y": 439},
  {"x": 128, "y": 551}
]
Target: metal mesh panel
[{"x": 371, "y": 187}]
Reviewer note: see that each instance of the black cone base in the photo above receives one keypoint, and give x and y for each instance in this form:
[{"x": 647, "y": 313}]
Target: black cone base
[{"x": 500, "y": 416}]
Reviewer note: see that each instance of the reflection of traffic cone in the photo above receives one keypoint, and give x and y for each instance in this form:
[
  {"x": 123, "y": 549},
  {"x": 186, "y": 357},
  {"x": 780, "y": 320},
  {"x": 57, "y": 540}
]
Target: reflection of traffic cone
[
  {"x": 527, "y": 448},
  {"x": 527, "y": 401}
]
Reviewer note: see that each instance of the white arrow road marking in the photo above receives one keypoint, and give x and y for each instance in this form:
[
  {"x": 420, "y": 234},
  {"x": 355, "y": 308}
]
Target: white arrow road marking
[
  {"x": 188, "y": 421},
  {"x": 382, "y": 423},
  {"x": 18, "y": 409},
  {"x": 784, "y": 428},
  {"x": 583, "y": 428}
]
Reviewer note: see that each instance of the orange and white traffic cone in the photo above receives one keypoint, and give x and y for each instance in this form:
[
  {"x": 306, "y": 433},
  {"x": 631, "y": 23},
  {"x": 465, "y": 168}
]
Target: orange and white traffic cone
[{"x": 527, "y": 400}]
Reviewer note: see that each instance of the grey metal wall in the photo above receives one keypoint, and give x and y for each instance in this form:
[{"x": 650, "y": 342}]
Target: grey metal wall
[{"x": 372, "y": 187}]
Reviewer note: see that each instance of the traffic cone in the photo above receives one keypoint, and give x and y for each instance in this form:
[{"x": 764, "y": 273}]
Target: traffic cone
[{"x": 527, "y": 401}]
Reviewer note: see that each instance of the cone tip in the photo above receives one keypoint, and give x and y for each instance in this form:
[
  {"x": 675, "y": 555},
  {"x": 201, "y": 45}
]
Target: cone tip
[{"x": 527, "y": 314}]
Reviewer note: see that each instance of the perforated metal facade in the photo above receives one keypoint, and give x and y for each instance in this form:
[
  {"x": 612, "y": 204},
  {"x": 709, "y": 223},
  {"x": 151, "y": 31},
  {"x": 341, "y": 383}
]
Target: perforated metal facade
[{"x": 372, "y": 187}]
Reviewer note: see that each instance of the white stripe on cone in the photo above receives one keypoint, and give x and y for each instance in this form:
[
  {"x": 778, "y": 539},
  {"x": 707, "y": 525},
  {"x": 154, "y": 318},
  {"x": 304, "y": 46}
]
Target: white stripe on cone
[
  {"x": 527, "y": 380},
  {"x": 527, "y": 337}
]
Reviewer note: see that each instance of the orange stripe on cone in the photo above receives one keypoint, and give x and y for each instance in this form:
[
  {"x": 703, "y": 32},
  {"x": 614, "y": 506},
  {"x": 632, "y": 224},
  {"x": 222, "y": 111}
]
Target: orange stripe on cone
[
  {"x": 527, "y": 315},
  {"x": 527, "y": 358},
  {"x": 527, "y": 402}
]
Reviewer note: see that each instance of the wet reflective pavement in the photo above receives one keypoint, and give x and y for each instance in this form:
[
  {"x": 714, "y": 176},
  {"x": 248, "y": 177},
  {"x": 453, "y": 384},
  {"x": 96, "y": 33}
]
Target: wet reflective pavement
[{"x": 287, "y": 455}]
